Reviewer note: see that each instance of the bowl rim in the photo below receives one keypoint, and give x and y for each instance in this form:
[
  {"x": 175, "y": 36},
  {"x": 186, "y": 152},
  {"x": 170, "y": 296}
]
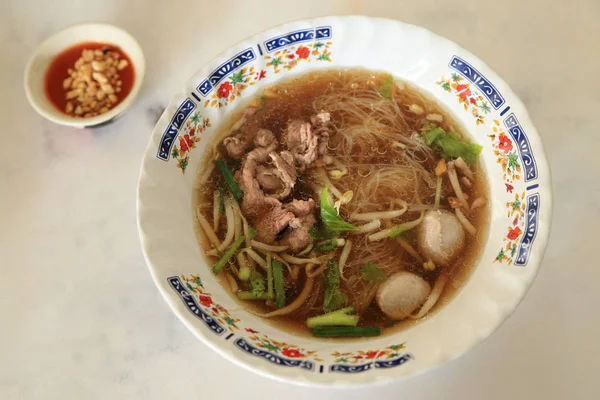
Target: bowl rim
[
  {"x": 65, "y": 120},
  {"x": 545, "y": 189}
]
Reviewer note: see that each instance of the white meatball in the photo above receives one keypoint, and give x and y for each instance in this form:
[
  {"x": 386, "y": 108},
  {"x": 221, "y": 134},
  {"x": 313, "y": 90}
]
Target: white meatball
[
  {"x": 441, "y": 237},
  {"x": 402, "y": 294}
]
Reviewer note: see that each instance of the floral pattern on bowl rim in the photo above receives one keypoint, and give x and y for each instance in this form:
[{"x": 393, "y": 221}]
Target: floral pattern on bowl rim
[{"x": 299, "y": 47}]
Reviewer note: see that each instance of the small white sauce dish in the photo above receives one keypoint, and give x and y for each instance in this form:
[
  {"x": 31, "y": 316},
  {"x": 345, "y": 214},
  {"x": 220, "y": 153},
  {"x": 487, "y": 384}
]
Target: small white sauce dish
[{"x": 87, "y": 32}]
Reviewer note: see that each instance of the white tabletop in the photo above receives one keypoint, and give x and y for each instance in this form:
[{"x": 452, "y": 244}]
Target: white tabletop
[{"x": 80, "y": 316}]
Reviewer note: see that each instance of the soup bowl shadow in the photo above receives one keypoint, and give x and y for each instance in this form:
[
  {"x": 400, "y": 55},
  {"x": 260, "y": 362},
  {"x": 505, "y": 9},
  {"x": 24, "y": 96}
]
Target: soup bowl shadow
[{"x": 488, "y": 111}]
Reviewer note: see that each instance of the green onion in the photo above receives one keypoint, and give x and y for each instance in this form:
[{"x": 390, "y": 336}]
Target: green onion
[
  {"x": 278, "y": 282},
  {"x": 269, "y": 276},
  {"x": 231, "y": 183},
  {"x": 252, "y": 296},
  {"x": 228, "y": 254},
  {"x": 337, "y": 318},
  {"x": 346, "y": 331}
]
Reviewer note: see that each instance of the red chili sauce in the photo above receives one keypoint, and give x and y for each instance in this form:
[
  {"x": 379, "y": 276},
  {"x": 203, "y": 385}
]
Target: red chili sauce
[{"x": 57, "y": 72}]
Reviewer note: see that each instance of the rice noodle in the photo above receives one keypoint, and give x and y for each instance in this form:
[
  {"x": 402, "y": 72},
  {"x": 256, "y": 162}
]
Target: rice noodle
[
  {"x": 465, "y": 222},
  {"x": 229, "y": 213},
  {"x": 254, "y": 255},
  {"x": 216, "y": 213},
  {"x": 208, "y": 231},
  {"x": 344, "y": 257},
  {"x": 456, "y": 185},
  {"x": 433, "y": 297},
  {"x": 297, "y": 303},
  {"x": 368, "y": 227},
  {"x": 268, "y": 247}
]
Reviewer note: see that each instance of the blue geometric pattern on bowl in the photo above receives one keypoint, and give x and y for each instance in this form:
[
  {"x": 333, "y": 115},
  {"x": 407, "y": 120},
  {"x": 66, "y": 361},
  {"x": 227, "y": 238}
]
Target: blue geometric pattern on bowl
[
  {"x": 224, "y": 69},
  {"x": 191, "y": 304},
  {"x": 533, "y": 205},
  {"x": 469, "y": 72},
  {"x": 517, "y": 133},
  {"x": 349, "y": 369},
  {"x": 305, "y": 35},
  {"x": 273, "y": 358},
  {"x": 166, "y": 142}
]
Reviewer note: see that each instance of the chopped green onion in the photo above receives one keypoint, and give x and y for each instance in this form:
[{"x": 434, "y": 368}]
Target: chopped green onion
[
  {"x": 257, "y": 283},
  {"x": 231, "y": 183},
  {"x": 278, "y": 283},
  {"x": 346, "y": 331},
  {"x": 252, "y": 296},
  {"x": 337, "y": 318},
  {"x": 228, "y": 254}
]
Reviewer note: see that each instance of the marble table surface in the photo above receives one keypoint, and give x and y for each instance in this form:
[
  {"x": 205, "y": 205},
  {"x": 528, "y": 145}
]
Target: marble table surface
[{"x": 80, "y": 317}]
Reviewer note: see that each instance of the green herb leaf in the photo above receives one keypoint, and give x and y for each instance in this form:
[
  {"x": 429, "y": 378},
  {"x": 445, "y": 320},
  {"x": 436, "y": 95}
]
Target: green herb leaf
[
  {"x": 385, "y": 86},
  {"x": 334, "y": 297},
  {"x": 371, "y": 273},
  {"x": 451, "y": 145},
  {"x": 333, "y": 224}
]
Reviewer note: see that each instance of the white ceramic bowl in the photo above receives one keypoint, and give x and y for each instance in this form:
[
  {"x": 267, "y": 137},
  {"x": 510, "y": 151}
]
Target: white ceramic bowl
[
  {"x": 70, "y": 36},
  {"x": 513, "y": 157}
]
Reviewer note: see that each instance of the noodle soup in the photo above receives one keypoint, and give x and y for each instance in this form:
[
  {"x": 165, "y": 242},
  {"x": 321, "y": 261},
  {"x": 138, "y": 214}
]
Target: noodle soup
[{"x": 342, "y": 203}]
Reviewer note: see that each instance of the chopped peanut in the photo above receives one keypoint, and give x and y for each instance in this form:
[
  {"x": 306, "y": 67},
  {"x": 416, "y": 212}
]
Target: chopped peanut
[{"x": 441, "y": 168}]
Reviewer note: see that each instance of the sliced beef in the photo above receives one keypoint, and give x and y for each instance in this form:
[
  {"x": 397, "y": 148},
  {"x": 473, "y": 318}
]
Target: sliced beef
[
  {"x": 297, "y": 236},
  {"x": 264, "y": 138},
  {"x": 265, "y": 213},
  {"x": 242, "y": 135},
  {"x": 271, "y": 222},
  {"x": 302, "y": 143},
  {"x": 268, "y": 180}
]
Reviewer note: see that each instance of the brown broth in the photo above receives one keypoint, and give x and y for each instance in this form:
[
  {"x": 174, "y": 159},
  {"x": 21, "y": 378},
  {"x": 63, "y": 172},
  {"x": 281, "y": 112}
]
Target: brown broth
[{"x": 293, "y": 99}]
